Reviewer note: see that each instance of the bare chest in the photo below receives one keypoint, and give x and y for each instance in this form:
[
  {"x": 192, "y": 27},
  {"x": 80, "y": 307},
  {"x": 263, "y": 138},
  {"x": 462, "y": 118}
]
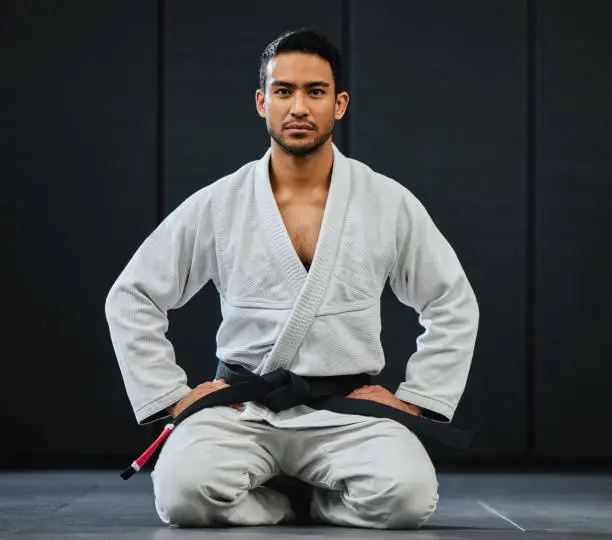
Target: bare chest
[{"x": 303, "y": 224}]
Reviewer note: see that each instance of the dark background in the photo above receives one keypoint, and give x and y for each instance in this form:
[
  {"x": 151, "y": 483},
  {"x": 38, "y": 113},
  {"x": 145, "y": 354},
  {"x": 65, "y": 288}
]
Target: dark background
[{"x": 497, "y": 115}]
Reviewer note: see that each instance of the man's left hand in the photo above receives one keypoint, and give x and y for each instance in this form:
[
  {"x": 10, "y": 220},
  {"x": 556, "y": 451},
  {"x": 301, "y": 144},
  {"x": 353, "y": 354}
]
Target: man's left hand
[{"x": 382, "y": 395}]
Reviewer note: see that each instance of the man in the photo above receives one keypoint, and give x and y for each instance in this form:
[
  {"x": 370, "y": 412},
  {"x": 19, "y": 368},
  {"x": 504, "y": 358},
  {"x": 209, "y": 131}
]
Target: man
[{"x": 299, "y": 245}]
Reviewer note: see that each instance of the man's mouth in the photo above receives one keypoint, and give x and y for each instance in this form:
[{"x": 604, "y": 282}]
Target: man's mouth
[{"x": 299, "y": 127}]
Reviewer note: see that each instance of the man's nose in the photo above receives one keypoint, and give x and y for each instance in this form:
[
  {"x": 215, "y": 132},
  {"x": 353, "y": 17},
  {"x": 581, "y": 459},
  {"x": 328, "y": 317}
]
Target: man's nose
[{"x": 300, "y": 106}]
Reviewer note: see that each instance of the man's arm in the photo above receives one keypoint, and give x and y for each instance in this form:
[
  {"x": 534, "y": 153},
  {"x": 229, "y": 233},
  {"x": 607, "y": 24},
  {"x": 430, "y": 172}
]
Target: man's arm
[
  {"x": 174, "y": 262},
  {"x": 429, "y": 278}
]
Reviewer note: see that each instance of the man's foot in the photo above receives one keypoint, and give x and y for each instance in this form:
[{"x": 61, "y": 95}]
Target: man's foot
[{"x": 299, "y": 494}]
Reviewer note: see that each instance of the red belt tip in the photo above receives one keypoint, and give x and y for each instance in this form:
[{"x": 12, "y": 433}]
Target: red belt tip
[{"x": 140, "y": 462}]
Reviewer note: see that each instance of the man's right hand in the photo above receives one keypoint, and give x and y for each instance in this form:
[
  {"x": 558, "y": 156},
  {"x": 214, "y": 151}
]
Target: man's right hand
[{"x": 200, "y": 391}]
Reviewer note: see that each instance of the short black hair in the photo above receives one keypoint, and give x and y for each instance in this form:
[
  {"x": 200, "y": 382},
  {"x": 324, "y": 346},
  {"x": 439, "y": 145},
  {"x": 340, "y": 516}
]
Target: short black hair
[{"x": 307, "y": 41}]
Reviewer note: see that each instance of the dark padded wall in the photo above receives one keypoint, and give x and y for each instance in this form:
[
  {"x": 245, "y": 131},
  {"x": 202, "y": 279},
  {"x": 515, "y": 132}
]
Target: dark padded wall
[
  {"x": 94, "y": 151},
  {"x": 212, "y": 126},
  {"x": 439, "y": 104},
  {"x": 78, "y": 154},
  {"x": 573, "y": 229}
]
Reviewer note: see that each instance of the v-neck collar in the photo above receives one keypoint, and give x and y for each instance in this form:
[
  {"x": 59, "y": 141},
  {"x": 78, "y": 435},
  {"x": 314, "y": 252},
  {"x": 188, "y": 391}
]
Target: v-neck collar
[{"x": 292, "y": 268}]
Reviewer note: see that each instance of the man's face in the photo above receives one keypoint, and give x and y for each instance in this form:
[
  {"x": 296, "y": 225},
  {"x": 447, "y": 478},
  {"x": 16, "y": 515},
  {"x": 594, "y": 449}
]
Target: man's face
[{"x": 300, "y": 104}]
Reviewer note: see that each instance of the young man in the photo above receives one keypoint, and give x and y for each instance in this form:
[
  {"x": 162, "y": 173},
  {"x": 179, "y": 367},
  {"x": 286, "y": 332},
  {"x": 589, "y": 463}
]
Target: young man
[{"x": 299, "y": 245}]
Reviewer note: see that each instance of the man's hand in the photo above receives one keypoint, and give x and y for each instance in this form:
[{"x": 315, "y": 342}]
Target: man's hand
[
  {"x": 382, "y": 395},
  {"x": 200, "y": 391}
]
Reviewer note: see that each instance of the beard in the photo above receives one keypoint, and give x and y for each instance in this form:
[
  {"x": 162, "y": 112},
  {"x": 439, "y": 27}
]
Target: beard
[{"x": 295, "y": 148}]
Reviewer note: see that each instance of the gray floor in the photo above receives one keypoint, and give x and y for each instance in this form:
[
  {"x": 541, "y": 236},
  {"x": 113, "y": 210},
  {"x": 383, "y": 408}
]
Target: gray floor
[{"x": 99, "y": 505}]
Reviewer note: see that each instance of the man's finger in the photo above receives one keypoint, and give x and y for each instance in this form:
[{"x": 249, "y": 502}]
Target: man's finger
[
  {"x": 212, "y": 383},
  {"x": 369, "y": 397},
  {"x": 365, "y": 389},
  {"x": 369, "y": 391}
]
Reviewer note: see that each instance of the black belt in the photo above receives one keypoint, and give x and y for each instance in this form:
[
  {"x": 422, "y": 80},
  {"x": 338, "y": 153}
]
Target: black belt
[{"x": 281, "y": 389}]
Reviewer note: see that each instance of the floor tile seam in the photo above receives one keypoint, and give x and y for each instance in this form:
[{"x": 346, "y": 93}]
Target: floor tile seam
[{"x": 500, "y": 515}]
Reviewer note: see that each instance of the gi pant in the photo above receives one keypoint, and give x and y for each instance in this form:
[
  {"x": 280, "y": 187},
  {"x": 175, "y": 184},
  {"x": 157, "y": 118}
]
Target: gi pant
[{"x": 374, "y": 474}]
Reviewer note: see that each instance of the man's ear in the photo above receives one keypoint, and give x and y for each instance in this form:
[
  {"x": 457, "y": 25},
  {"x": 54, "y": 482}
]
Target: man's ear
[
  {"x": 260, "y": 102},
  {"x": 342, "y": 101}
]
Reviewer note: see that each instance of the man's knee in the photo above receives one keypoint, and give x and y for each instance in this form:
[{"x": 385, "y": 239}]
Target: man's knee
[
  {"x": 176, "y": 494},
  {"x": 402, "y": 500},
  {"x": 412, "y": 500},
  {"x": 193, "y": 496}
]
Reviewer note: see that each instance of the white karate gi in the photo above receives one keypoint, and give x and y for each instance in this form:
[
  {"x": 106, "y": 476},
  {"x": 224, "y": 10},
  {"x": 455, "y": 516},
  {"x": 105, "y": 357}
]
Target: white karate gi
[{"x": 276, "y": 314}]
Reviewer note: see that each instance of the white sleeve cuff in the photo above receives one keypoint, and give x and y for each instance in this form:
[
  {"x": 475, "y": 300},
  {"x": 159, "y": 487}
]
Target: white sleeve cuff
[
  {"x": 441, "y": 411},
  {"x": 156, "y": 410}
]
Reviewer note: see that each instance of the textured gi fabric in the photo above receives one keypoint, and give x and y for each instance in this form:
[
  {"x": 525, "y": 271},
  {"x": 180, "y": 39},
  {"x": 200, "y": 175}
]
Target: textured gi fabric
[
  {"x": 231, "y": 232},
  {"x": 212, "y": 469}
]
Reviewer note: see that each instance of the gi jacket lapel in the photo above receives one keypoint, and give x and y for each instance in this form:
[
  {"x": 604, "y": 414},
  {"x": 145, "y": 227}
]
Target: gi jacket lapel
[{"x": 308, "y": 288}]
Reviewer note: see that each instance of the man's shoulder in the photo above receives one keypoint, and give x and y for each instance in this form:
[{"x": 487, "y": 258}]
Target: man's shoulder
[
  {"x": 377, "y": 182},
  {"x": 233, "y": 180},
  {"x": 223, "y": 185},
  {"x": 213, "y": 194}
]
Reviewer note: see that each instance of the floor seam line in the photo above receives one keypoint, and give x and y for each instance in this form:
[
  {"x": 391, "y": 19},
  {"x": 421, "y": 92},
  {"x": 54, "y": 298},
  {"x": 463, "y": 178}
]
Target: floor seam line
[{"x": 499, "y": 514}]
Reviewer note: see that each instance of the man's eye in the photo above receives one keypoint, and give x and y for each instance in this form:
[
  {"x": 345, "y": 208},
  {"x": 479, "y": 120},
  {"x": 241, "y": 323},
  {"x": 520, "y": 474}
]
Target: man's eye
[
  {"x": 321, "y": 92},
  {"x": 281, "y": 90}
]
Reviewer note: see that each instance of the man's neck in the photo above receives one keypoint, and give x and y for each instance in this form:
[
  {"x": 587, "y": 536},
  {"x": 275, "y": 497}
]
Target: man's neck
[{"x": 303, "y": 174}]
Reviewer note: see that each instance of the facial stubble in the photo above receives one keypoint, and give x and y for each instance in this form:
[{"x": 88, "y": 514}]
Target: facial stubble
[{"x": 301, "y": 150}]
